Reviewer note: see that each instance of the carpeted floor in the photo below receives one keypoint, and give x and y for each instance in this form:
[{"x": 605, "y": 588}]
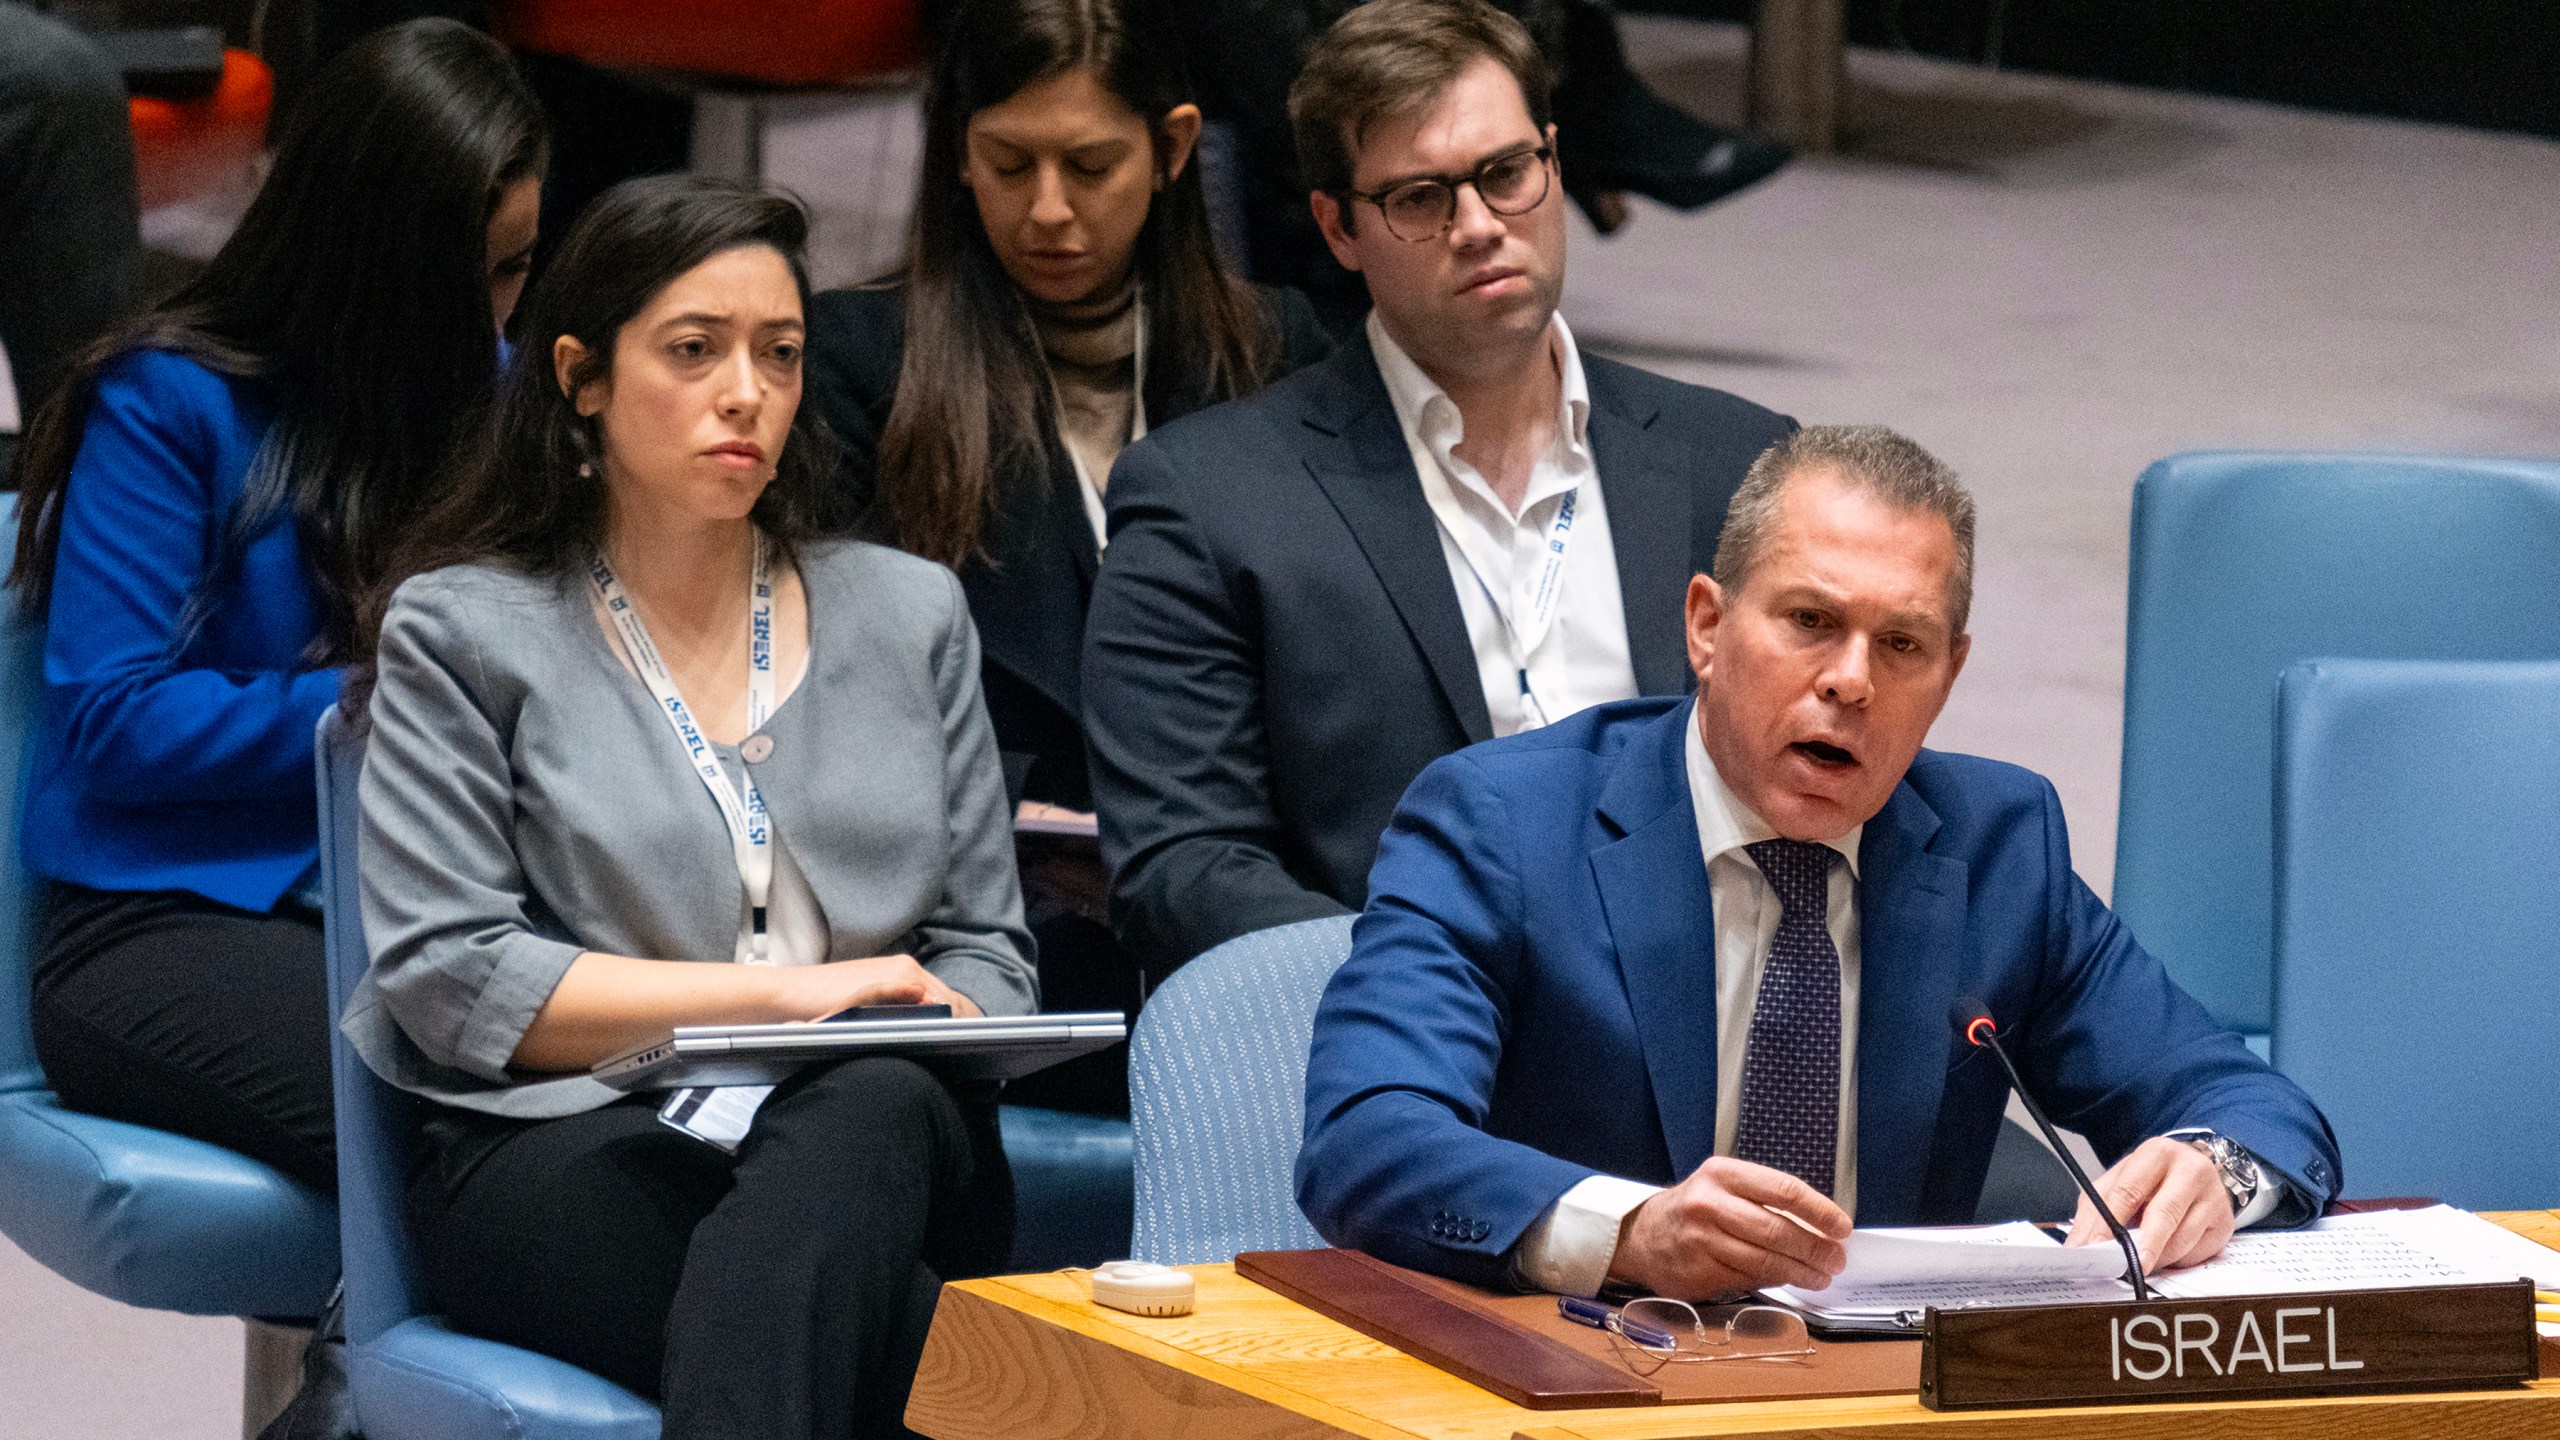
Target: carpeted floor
[{"x": 2049, "y": 283}]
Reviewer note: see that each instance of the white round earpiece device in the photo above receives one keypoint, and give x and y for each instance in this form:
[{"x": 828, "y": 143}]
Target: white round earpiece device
[{"x": 1143, "y": 1289}]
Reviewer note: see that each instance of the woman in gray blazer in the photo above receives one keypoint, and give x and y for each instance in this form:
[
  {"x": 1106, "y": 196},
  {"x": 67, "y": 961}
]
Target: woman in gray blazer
[{"x": 632, "y": 723}]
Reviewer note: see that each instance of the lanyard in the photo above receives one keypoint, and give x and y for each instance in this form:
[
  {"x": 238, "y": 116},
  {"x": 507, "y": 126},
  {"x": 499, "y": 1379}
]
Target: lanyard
[
  {"x": 750, "y": 830},
  {"x": 1545, "y": 594},
  {"x": 1086, "y": 485}
]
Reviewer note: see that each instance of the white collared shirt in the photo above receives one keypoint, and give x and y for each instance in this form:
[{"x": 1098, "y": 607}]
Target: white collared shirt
[
  {"x": 1496, "y": 558},
  {"x": 1569, "y": 1249}
]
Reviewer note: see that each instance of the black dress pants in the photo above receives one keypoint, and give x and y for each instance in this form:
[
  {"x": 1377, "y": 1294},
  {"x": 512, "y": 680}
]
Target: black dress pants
[
  {"x": 783, "y": 1292},
  {"x": 166, "y": 1009}
]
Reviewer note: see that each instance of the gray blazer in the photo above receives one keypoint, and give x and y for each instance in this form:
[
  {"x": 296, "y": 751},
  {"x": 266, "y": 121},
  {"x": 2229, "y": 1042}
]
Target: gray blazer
[{"x": 523, "y": 800}]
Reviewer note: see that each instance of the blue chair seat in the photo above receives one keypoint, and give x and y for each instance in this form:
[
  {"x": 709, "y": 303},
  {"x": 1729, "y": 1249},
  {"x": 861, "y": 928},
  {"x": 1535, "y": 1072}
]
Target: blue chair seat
[
  {"x": 1073, "y": 1193},
  {"x": 137, "y": 1215},
  {"x": 442, "y": 1385},
  {"x": 1218, "y": 1087},
  {"x": 158, "y": 1220},
  {"x": 2244, "y": 564},
  {"x": 2417, "y": 842}
]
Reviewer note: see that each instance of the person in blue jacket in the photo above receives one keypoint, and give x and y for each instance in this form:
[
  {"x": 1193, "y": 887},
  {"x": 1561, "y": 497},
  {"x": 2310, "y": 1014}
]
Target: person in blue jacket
[
  {"x": 1633, "y": 990},
  {"x": 203, "y": 501}
]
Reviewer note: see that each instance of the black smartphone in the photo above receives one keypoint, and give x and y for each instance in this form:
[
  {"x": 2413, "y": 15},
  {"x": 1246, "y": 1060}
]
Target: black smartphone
[{"x": 894, "y": 1012}]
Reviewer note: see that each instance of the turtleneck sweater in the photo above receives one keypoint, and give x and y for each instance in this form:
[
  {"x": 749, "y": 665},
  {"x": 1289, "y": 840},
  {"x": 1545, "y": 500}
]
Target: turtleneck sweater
[{"x": 1092, "y": 348}]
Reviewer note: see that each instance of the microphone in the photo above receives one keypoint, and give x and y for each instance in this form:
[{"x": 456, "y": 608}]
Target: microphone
[{"x": 1973, "y": 1022}]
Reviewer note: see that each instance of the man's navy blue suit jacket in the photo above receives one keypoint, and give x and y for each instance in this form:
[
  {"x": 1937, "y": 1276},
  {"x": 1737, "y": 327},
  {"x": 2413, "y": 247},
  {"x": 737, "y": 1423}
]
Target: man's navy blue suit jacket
[{"x": 1531, "y": 999}]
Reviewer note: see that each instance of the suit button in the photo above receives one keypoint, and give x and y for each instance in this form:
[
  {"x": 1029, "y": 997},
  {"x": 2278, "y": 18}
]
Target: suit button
[
  {"x": 756, "y": 749},
  {"x": 1482, "y": 1230}
]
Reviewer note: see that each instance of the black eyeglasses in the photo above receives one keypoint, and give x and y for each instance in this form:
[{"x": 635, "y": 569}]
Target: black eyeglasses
[{"x": 1425, "y": 207}]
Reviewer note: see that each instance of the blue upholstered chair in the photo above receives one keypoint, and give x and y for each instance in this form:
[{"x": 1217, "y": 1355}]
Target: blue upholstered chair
[
  {"x": 137, "y": 1215},
  {"x": 1217, "y": 1094},
  {"x": 1071, "y": 1187},
  {"x": 2246, "y": 563},
  {"x": 2417, "y": 921},
  {"x": 414, "y": 1377}
]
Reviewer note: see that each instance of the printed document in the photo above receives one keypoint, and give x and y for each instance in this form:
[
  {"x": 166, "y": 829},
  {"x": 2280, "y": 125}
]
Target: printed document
[{"x": 1895, "y": 1274}]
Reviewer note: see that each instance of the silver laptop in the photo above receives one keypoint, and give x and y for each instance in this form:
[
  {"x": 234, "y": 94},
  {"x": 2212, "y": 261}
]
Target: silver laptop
[{"x": 1006, "y": 1048}]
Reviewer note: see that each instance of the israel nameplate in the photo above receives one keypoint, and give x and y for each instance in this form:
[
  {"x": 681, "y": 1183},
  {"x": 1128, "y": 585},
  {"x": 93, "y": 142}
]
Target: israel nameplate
[{"x": 2451, "y": 1337}]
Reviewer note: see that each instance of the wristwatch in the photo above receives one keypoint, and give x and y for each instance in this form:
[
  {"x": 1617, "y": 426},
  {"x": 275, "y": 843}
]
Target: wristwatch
[{"x": 2238, "y": 1168}]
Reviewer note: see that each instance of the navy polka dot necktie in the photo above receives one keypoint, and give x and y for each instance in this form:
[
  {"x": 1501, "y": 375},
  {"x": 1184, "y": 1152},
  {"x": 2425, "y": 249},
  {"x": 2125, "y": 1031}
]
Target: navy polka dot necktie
[{"x": 1791, "y": 1065}]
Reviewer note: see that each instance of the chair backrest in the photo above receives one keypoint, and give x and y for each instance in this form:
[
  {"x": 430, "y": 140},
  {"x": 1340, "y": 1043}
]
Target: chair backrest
[
  {"x": 1217, "y": 1095},
  {"x": 2246, "y": 563},
  {"x": 2417, "y": 925},
  {"x": 21, "y": 700},
  {"x": 377, "y": 1123}
]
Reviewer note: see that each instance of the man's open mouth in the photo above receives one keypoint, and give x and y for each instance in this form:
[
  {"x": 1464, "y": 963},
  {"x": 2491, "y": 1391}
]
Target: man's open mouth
[{"x": 1824, "y": 752}]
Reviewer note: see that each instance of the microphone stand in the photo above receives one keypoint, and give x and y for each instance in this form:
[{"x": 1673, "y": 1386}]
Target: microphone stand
[{"x": 1982, "y": 1031}]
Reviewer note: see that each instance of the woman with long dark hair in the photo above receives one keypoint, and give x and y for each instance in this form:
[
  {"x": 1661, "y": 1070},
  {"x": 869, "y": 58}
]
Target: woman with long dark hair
[
  {"x": 632, "y": 721},
  {"x": 1060, "y": 295},
  {"x": 203, "y": 500}
]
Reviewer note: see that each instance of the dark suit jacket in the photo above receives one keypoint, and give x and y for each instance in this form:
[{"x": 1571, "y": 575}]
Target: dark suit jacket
[
  {"x": 1029, "y": 600},
  {"x": 1275, "y": 650},
  {"x": 1531, "y": 999}
]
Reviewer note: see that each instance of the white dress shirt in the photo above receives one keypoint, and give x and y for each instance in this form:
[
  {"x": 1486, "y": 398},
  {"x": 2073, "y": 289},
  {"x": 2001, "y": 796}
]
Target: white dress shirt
[{"x": 1538, "y": 660}]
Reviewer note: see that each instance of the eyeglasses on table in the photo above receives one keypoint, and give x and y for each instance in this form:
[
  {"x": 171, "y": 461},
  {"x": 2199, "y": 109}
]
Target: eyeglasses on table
[{"x": 1654, "y": 1332}]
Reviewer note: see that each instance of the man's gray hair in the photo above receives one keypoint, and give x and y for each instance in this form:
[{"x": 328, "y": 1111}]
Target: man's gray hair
[{"x": 1875, "y": 460}]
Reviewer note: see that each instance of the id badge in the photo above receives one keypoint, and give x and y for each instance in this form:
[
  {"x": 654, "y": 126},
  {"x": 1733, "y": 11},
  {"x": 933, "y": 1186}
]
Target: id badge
[{"x": 716, "y": 1115}]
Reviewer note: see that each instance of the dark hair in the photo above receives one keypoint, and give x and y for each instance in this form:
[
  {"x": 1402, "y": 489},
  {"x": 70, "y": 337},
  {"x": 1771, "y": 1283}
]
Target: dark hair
[
  {"x": 973, "y": 400},
  {"x": 358, "y": 284},
  {"x": 1391, "y": 57},
  {"x": 528, "y": 493}
]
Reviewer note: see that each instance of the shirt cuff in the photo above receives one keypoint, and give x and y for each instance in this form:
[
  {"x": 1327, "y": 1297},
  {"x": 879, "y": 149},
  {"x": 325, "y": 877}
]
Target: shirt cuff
[
  {"x": 1568, "y": 1249},
  {"x": 2271, "y": 1193}
]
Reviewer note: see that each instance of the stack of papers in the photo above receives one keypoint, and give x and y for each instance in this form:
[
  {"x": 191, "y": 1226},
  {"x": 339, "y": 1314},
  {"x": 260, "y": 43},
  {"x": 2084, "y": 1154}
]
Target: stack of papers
[{"x": 1895, "y": 1275}]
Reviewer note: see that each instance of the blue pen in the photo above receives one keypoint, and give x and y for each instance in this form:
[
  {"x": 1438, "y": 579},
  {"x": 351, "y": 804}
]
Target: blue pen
[{"x": 1610, "y": 1317}]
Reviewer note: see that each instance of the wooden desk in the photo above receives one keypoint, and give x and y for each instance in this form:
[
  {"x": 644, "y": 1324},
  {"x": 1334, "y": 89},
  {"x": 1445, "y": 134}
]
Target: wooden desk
[{"x": 1027, "y": 1357}]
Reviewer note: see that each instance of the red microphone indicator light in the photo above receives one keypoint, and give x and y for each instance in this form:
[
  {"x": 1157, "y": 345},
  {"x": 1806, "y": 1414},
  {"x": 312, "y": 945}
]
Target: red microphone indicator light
[{"x": 1973, "y": 1020}]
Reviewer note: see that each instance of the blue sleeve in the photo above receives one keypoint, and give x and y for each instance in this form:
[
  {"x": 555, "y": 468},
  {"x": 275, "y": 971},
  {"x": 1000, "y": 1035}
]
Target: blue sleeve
[
  {"x": 2121, "y": 1053},
  {"x": 1408, "y": 1041},
  {"x": 141, "y": 517}
]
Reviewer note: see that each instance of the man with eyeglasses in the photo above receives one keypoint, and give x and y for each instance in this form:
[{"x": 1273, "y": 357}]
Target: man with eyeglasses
[{"x": 1458, "y": 527}]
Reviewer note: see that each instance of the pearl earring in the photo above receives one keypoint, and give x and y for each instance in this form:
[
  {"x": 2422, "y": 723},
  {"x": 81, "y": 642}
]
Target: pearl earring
[{"x": 586, "y": 471}]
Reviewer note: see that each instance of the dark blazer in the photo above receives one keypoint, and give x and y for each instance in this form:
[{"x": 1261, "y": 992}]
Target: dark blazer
[
  {"x": 1274, "y": 649},
  {"x": 1029, "y": 602},
  {"x": 1531, "y": 999}
]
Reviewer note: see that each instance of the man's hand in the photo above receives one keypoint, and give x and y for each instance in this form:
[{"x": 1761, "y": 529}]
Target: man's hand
[
  {"x": 1720, "y": 1231},
  {"x": 2171, "y": 1196}
]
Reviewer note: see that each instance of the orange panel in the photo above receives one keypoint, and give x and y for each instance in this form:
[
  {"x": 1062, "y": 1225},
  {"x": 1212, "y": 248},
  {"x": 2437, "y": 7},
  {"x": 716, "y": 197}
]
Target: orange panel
[
  {"x": 773, "y": 42},
  {"x": 184, "y": 148}
]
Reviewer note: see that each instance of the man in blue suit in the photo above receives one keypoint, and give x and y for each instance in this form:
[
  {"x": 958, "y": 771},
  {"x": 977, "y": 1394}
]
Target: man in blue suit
[{"x": 1658, "y": 996}]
